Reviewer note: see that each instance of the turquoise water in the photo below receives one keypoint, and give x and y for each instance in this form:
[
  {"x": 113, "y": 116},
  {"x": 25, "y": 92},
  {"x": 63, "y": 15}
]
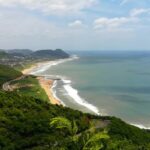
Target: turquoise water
[{"x": 115, "y": 83}]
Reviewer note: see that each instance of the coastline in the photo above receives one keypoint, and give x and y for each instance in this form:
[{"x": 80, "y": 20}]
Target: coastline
[
  {"x": 28, "y": 71},
  {"x": 46, "y": 84}
]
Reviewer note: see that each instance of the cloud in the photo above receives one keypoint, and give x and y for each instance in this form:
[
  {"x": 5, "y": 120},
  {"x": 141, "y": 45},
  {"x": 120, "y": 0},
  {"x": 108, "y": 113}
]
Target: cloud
[
  {"x": 124, "y": 2},
  {"x": 136, "y": 12},
  {"x": 21, "y": 28},
  {"x": 24, "y": 30},
  {"x": 135, "y": 2},
  {"x": 55, "y": 7},
  {"x": 108, "y": 23},
  {"x": 117, "y": 22},
  {"x": 76, "y": 24}
]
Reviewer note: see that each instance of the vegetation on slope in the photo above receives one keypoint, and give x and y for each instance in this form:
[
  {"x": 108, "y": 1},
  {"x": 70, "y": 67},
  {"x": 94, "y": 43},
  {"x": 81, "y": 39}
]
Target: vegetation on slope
[
  {"x": 7, "y": 74},
  {"x": 25, "y": 124},
  {"x": 50, "y": 54},
  {"x": 3, "y": 54},
  {"x": 30, "y": 86},
  {"x": 19, "y": 58},
  {"x": 27, "y": 85}
]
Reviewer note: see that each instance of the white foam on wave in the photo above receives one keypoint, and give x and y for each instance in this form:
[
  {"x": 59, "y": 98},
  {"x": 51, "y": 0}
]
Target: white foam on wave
[
  {"x": 73, "y": 93},
  {"x": 67, "y": 84},
  {"x": 140, "y": 126},
  {"x": 54, "y": 92},
  {"x": 66, "y": 81},
  {"x": 70, "y": 90},
  {"x": 43, "y": 67}
]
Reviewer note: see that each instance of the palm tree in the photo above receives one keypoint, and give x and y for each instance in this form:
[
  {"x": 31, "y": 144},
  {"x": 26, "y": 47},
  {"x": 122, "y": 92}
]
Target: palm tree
[
  {"x": 91, "y": 140},
  {"x": 61, "y": 122},
  {"x": 94, "y": 142}
]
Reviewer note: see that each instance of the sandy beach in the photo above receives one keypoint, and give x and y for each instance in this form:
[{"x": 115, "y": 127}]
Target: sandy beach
[
  {"x": 32, "y": 67},
  {"x": 46, "y": 84},
  {"x": 28, "y": 70}
]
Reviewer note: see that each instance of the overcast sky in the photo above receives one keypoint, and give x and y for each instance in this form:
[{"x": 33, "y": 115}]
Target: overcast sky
[{"x": 75, "y": 24}]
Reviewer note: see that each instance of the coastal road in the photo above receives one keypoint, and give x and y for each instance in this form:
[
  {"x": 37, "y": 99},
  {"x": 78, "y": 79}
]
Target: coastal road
[{"x": 7, "y": 87}]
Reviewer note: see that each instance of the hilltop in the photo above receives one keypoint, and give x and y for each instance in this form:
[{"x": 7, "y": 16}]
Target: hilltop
[
  {"x": 19, "y": 58},
  {"x": 8, "y": 73},
  {"x": 58, "y": 53}
]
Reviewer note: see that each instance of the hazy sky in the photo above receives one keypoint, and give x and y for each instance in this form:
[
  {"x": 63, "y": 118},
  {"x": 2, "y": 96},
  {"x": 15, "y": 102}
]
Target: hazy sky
[{"x": 75, "y": 24}]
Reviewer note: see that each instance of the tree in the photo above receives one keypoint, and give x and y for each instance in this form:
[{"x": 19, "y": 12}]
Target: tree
[
  {"x": 61, "y": 122},
  {"x": 94, "y": 142},
  {"x": 91, "y": 140}
]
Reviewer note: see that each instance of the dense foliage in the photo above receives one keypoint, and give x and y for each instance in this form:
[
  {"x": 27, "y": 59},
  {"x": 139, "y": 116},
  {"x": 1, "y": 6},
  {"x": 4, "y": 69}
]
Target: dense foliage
[
  {"x": 25, "y": 124},
  {"x": 7, "y": 73},
  {"x": 20, "y": 58},
  {"x": 3, "y": 54},
  {"x": 50, "y": 54}
]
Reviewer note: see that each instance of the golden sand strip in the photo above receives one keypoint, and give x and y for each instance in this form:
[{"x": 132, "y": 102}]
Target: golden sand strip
[
  {"x": 46, "y": 84},
  {"x": 28, "y": 70},
  {"x": 34, "y": 66}
]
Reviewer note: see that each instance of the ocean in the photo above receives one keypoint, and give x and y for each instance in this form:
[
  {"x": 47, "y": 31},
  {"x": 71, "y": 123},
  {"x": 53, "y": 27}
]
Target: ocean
[{"x": 115, "y": 83}]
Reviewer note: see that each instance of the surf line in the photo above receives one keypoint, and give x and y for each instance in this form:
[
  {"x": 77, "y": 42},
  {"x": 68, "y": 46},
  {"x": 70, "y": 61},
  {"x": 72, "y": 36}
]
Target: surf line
[{"x": 73, "y": 93}]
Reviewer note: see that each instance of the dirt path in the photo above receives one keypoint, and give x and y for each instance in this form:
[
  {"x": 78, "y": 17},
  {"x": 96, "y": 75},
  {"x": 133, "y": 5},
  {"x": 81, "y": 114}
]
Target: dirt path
[{"x": 7, "y": 87}]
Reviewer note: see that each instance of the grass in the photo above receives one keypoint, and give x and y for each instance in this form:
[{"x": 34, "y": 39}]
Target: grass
[
  {"x": 30, "y": 86},
  {"x": 3, "y": 54},
  {"x": 25, "y": 65},
  {"x": 7, "y": 74}
]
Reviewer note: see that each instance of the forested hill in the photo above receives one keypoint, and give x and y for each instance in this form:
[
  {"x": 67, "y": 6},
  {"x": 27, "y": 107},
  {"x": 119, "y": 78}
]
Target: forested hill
[
  {"x": 7, "y": 74},
  {"x": 58, "y": 53},
  {"x": 3, "y": 54},
  {"x": 21, "y": 57},
  {"x": 27, "y": 123}
]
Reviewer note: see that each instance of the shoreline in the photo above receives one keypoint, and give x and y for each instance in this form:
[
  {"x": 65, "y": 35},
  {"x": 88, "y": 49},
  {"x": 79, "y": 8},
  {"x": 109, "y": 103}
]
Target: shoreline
[
  {"x": 45, "y": 84},
  {"x": 27, "y": 71}
]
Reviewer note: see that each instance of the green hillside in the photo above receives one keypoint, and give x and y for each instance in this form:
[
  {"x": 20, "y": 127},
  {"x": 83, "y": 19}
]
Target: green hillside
[
  {"x": 50, "y": 54},
  {"x": 7, "y": 73},
  {"x": 30, "y": 123},
  {"x": 20, "y": 58},
  {"x": 25, "y": 125},
  {"x": 3, "y": 54},
  {"x": 29, "y": 86}
]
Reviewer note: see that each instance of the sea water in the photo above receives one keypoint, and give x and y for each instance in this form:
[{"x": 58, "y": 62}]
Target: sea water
[{"x": 106, "y": 83}]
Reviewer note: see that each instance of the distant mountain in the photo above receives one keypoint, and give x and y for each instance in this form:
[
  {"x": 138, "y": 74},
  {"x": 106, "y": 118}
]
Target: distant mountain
[
  {"x": 58, "y": 53},
  {"x": 20, "y": 52},
  {"x": 19, "y": 57},
  {"x": 1, "y": 50},
  {"x": 46, "y": 53},
  {"x": 3, "y": 54}
]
